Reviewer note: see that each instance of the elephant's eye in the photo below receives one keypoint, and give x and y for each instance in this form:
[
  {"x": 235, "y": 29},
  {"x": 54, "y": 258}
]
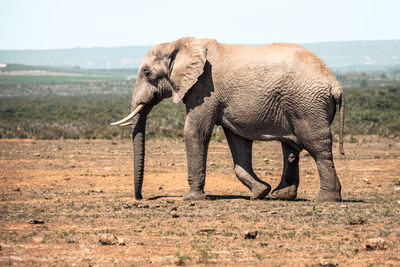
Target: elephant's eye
[{"x": 147, "y": 73}]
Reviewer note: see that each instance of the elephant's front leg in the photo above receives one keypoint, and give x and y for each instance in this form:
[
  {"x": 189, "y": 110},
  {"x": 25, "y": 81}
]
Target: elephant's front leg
[
  {"x": 241, "y": 149},
  {"x": 287, "y": 188},
  {"x": 196, "y": 141}
]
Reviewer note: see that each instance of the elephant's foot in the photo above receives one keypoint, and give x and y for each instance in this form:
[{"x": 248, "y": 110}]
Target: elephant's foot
[
  {"x": 194, "y": 195},
  {"x": 328, "y": 196},
  {"x": 285, "y": 193},
  {"x": 260, "y": 191}
]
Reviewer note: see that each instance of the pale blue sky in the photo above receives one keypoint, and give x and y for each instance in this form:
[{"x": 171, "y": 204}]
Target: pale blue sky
[{"x": 40, "y": 24}]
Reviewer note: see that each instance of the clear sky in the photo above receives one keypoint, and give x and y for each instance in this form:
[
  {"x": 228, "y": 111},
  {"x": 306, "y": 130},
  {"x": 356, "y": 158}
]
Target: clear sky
[{"x": 42, "y": 24}]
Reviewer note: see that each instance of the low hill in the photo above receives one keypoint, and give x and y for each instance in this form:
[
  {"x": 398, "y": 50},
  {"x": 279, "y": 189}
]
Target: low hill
[{"x": 349, "y": 55}]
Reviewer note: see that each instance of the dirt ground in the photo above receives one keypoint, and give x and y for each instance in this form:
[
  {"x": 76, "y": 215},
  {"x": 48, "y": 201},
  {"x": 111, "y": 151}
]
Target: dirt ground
[{"x": 79, "y": 190}]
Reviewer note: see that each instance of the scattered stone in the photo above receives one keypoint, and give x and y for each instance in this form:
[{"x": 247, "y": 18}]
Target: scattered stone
[
  {"x": 213, "y": 164},
  {"x": 356, "y": 221},
  {"x": 126, "y": 206},
  {"x": 35, "y": 221},
  {"x": 121, "y": 241},
  {"x": 97, "y": 190},
  {"x": 266, "y": 160},
  {"x": 263, "y": 244},
  {"x": 192, "y": 204},
  {"x": 366, "y": 180},
  {"x": 38, "y": 240},
  {"x": 397, "y": 189},
  {"x": 108, "y": 239},
  {"x": 143, "y": 206},
  {"x": 111, "y": 239},
  {"x": 17, "y": 189},
  {"x": 398, "y": 202},
  {"x": 37, "y": 154},
  {"x": 250, "y": 234},
  {"x": 48, "y": 197},
  {"x": 174, "y": 214},
  {"x": 375, "y": 244},
  {"x": 171, "y": 164},
  {"x": 273, "y": 212},
  {"x": 170, "y": 201},
  {"x": 160, "y": 188}
]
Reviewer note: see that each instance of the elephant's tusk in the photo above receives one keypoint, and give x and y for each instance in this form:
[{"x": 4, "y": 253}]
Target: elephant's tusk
[
  {"x": 126, "y": 123},
  {"x": 130, "y": 116}
]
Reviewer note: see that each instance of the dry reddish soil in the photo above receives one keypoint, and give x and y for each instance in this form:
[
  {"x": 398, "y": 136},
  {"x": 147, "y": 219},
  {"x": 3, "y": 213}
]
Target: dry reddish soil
[{"x": 82, "y": 189}]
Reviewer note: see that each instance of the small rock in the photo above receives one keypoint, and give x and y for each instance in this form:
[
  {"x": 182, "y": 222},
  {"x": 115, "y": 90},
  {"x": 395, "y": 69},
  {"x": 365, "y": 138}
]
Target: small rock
[
  {"x": 121, "y": 241},
  {"x": 366, "y": 180},
  {"x": 192, "y": 204},
  {"x": 171, "y": 164},
  {"x": 48, "y": 197},
  {"x": 160, "y": 188},
  {"x": 108, "y": 239},
  {"x": 273, "y": 212},
  {"x": 38, "y": 240},
  {"x": 17, "y": 189},
  {"x": 37, "y": 154},
  {"x": 35, "y": 221},
  {"x": 213, "y": 164},
  {"x": 126, "y": 206},
  {"x": 266, "y": 160},
  {"x": 174, "y": 214},
  {"x": 264, "y": 244},
  {"x": 375, "y": 244},
  {"x": 170, "y": 201},
  {"x": 397, "y": 189},
  {"x": 250, "y": 234}
]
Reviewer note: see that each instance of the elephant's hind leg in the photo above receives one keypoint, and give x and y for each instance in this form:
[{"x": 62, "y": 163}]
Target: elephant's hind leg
[
  {"x": 241, "y": 149},
  {"x": 320, "y": 147},
  {"x": 287, "y": 188}
]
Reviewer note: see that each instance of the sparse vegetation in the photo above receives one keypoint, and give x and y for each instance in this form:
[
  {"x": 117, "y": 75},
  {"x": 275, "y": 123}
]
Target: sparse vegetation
[{"x": 81, "y": 107}]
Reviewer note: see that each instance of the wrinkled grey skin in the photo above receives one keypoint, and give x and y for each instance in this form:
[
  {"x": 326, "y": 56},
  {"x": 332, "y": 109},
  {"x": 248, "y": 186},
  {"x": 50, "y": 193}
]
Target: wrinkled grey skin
[{"x": 275, "y": 92}]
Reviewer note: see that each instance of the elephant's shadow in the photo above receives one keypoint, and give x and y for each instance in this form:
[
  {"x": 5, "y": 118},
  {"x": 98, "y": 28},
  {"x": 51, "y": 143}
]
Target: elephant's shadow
[
  {"x": 226, "y": 197},
  {"x": 233, "y": 197}
]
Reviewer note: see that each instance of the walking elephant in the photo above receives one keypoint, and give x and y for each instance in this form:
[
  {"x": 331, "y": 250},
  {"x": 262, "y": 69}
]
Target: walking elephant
[{"x": 279, "y": 92}]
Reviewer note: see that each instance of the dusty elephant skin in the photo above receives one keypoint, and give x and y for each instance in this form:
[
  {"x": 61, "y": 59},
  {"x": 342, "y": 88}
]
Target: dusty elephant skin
[{"x": 274, "y": 92}]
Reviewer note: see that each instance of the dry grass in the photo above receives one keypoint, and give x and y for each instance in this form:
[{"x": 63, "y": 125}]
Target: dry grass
[{"x": 82, "y": 189}]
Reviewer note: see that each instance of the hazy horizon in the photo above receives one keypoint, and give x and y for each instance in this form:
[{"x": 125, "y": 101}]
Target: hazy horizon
[{"x": 47, "y": 24}]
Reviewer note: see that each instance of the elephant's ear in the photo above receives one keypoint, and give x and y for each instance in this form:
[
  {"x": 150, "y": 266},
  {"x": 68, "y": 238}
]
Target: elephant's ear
[{"x": 186, "y": 65}]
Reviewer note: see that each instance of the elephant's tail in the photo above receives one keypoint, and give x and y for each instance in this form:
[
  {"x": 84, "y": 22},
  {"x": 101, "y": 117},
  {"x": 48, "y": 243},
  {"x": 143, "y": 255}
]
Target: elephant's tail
[
  {"x": 339, "y": 99},
  {"x": 341, "y": 123}
]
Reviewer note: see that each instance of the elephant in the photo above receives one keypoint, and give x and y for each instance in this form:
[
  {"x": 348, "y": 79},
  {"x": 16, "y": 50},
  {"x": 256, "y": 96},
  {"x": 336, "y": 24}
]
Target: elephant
[{"x": 279, "y": 91}]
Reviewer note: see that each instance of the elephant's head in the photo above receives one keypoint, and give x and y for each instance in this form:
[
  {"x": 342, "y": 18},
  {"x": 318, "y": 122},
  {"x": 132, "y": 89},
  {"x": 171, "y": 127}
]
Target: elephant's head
[{"x": 169, "y": 69}]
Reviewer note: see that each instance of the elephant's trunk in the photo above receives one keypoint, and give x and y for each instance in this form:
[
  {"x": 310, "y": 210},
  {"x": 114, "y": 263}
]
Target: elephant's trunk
[{"x": 139, "y": 127}]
